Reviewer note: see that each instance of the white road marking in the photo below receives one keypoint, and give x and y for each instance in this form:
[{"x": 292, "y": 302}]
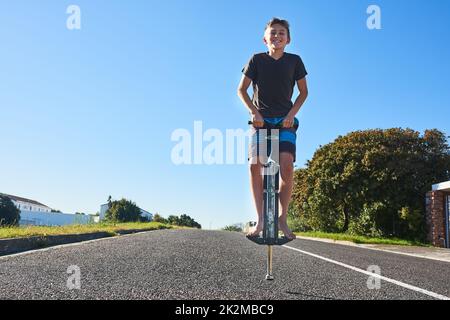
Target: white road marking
[
  {"x": 374, "y": 275},
  {"x": 362, "y": 246}
]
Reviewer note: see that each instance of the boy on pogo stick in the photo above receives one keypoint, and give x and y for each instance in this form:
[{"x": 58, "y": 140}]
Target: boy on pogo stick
[{"x": 273, "y": 75}]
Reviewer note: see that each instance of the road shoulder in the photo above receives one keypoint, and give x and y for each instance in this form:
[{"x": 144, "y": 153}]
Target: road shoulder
[{"x": 439, "y": 254}]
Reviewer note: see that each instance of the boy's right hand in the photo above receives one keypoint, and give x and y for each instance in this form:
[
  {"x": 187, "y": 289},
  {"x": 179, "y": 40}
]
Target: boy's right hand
[{"x": 257, "y": 120}]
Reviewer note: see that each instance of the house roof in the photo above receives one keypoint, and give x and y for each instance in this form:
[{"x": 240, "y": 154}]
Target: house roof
[{"x": 23, "y": 200}]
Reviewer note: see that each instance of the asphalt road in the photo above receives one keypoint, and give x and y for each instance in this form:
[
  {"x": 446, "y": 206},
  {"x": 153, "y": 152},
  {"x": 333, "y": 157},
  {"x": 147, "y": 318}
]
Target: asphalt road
[{"x": 198, "y": 264}]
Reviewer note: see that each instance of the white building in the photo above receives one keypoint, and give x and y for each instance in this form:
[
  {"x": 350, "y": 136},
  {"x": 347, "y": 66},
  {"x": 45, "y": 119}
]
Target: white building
[
  {"x": 38, "y": 214},
  {"x": 27, "y": 204},
  {"x": 105, "y": 207},
  {"x": 35, "y": 218}
]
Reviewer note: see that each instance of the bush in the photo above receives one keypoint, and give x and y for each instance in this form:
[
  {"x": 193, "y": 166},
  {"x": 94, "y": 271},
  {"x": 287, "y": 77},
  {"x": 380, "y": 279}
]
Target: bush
[
  {"x": 9, "y": 214},
  {"x": 173, "y": 220},
  {"x": 366, "y": 223},
  {"x": 234, "y": 227},
  {"x": 183, "y": 220},
  {"x": 187, "y": 221},
  {"x": 123, "y": 211},
  {"x": 298, "y": 224},
  {"x": 413, "y": 223},
  {"x": 158, "y": 218}
]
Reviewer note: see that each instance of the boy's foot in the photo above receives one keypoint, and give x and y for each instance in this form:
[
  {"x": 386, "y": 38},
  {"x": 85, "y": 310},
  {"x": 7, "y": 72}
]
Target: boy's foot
[
  {"x": 287, "y": 232},
  {"x": 255, "y": 231}
]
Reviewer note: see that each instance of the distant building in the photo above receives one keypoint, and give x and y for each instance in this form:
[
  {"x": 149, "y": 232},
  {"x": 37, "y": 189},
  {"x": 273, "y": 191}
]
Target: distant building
[
  {"x": 27, "y": 204},
  {"x": 105, "y": 207},
  {"x": 37, "y": 214}
]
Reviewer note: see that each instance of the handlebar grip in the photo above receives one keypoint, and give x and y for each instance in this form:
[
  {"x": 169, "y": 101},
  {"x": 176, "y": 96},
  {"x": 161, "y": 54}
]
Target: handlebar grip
[{"x": 278, "y": 126}]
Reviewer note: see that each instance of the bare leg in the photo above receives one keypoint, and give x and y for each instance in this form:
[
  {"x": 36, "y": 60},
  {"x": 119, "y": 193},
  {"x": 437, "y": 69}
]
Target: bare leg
[
  {"x": 286, "y": 185},
  {"x": 256, "y": 183}
]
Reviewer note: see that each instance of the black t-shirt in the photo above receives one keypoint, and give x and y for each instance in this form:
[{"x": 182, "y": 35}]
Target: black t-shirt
[{"x": 273, "y": 82}]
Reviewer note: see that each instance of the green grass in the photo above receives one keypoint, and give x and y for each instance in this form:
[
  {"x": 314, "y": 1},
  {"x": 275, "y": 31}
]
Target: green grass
[
  {"x": 360, "y": 239},
  {"x": 111, "y": 228}
]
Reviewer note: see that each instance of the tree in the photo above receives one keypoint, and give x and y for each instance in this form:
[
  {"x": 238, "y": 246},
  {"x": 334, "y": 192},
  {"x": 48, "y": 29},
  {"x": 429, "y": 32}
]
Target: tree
[
  {"x": 183, "y": 220},
  {"x": 371, "y": 182},
  {"x": 9, "y": 213},
  {"x": 123, "y": 211}
]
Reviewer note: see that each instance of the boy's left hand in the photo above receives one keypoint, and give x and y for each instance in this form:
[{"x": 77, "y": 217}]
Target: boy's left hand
[{"x": 288, "y": 121}]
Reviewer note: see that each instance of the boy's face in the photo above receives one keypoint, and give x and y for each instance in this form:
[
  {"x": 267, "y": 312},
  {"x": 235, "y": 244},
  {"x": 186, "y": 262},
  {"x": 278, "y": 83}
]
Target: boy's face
[{"x": 276, "y": 37}]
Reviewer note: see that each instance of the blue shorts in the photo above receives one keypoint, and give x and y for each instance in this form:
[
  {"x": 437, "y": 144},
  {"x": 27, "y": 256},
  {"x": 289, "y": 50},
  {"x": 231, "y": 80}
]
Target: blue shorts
[{"x": 287, "y": 138}]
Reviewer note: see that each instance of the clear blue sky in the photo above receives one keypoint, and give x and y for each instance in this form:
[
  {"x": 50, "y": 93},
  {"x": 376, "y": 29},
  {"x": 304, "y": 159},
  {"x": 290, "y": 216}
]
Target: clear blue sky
[{"x": 89, "y": 113}]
